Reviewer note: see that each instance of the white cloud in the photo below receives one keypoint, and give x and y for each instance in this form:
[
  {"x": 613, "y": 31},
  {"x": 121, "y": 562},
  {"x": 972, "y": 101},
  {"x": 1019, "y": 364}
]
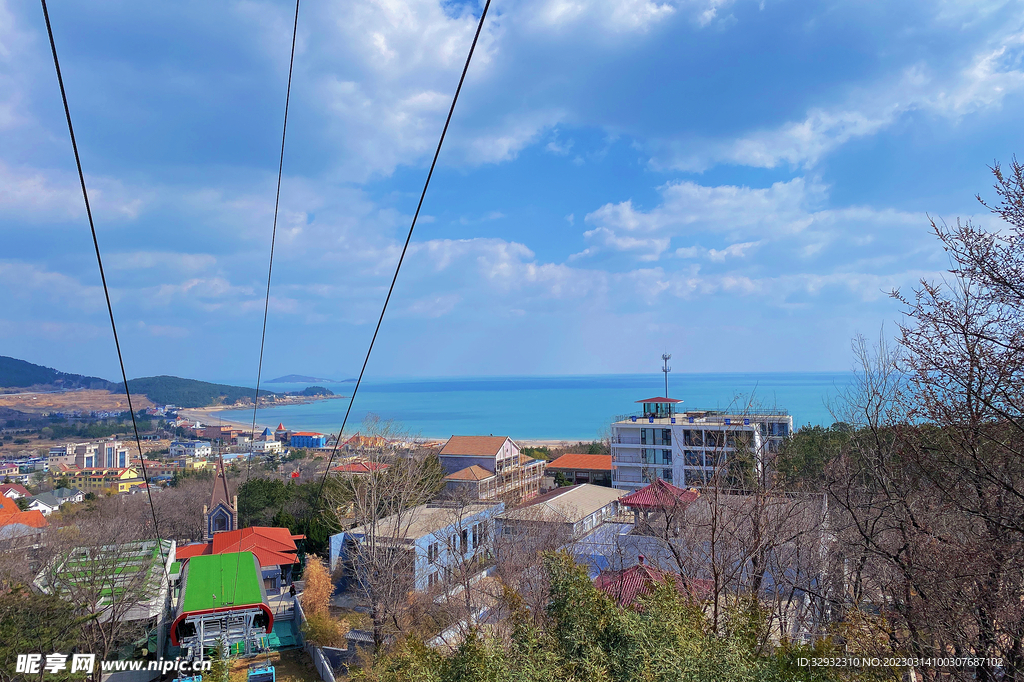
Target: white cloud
[{"x": 990, "y": 74}]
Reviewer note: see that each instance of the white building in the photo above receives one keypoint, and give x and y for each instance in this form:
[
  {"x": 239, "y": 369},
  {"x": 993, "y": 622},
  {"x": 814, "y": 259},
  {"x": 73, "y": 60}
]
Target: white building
[
  {"x": 266, "y": 447},
  {"x": 191, "y": 448},
  {"x": 685, "y": 448}
]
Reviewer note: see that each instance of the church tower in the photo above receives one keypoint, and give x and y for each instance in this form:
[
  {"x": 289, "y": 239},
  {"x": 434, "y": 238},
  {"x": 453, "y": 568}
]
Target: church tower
[{"x": 222, "y": 513}]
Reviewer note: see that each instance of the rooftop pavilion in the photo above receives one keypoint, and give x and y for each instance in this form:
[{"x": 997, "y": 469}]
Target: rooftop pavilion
[{"x": 662, "y": 410}]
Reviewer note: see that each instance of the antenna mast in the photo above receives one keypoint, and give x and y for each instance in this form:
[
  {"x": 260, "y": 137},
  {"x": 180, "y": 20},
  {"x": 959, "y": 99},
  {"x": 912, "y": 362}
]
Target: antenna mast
[{"x": 666, "y": 369}]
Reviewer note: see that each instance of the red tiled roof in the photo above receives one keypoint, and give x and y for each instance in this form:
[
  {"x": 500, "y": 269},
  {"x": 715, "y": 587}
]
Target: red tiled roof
[
  {"x": 20, "y": 489},
  {"x": 659, "y": 400},
  {"x": 196, "y": 549},
  {"x": 482, "y": 446},
  {"x": 580, "y": 462},
  {"x": 659, "y": 494},
  {"x": 272, "y": 546},
  {"x": 627, "y": 585},
  {"x": 359, "y": 467}
]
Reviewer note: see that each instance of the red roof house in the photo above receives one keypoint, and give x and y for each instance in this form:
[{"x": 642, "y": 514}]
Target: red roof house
[
  {"x": 627, "y": 585},
  {"x": 14, "y": 490},
  {"x": 15, "y": 523},
  {"x": 272, "y": 546},
  {"x": 358, "y": 468},
  {"x": 659, "y": 495}
]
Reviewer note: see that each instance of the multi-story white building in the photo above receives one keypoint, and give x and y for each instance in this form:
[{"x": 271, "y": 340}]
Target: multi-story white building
[
  {"x": 191, "y": 448},
  {"x": 686, "y": 448}
]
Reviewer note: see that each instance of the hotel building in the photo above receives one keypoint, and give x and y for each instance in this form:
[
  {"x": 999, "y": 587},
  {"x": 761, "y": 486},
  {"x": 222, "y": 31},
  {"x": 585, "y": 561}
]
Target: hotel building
[{"x": 686, "y": 448}]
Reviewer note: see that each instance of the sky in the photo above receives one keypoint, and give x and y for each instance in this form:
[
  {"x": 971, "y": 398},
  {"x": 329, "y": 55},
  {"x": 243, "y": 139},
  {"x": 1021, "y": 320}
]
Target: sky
[{"x": 737, "y": 183}]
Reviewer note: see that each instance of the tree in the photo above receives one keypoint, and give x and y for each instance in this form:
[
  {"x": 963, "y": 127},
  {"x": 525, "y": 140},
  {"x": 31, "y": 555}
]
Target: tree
[{"x": 33, "y": 623}]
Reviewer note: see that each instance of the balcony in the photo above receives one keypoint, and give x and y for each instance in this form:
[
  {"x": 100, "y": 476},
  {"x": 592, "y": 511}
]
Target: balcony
[{"x": 627, "y": 459}]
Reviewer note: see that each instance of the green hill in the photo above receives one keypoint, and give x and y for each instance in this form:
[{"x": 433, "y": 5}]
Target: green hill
[
  {"x": 167, "y": 390},
  {"x": 15, "y": 373}
]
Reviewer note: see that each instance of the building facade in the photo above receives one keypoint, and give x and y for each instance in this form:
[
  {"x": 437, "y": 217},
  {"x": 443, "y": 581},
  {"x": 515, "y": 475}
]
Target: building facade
[
  {"x": 307, "y": 439},
  {"x": 424, "y": 544},
  {"x": 196, "y": 449},
  {"x": 688, "y": 448},
  {"x": 489, "y": 468}
]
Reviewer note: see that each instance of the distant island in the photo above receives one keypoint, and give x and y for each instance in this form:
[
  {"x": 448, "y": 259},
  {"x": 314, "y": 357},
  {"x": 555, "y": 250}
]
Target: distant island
[{"x": 300, "y": 379}]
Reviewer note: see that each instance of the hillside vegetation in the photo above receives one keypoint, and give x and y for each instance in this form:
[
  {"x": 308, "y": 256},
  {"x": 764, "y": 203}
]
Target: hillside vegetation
[
  {"x": 168, "y": 390},
  {"x": 15, "y": 373}
]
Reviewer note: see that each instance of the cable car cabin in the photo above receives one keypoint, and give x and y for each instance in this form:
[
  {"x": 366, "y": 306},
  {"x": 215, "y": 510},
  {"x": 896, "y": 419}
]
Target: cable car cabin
[
  {"x": 261, "y": 672},
  {"x": 222, "y": 601}
]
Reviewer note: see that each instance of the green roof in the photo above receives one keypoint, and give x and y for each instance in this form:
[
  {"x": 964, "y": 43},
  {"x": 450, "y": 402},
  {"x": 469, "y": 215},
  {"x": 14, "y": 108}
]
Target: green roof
[{"x": 218, "y": 580}]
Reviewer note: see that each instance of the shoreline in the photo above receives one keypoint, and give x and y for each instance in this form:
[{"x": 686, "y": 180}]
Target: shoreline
[{"x": 207, "y": 414}]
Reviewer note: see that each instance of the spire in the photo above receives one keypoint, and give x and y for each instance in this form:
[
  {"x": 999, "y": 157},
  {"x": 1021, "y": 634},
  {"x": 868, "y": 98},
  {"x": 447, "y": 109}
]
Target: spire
[{"x": 221, "y": 515}]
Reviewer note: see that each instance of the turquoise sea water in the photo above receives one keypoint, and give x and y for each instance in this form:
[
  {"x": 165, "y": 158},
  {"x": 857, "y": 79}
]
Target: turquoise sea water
[{"x": 547, "y": 408}]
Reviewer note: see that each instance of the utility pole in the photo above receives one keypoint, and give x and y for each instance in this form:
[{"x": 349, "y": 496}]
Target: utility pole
[{"x": 666, "y": 369}]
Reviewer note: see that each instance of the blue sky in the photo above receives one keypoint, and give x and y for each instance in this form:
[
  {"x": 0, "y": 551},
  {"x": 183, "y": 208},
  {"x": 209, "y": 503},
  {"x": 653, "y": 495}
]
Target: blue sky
[{"x": 738, "y": 183}]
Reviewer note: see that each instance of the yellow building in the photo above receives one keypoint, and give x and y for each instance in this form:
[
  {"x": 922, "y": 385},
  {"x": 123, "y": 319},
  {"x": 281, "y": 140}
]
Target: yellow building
[{"x": 96, "y": 479}]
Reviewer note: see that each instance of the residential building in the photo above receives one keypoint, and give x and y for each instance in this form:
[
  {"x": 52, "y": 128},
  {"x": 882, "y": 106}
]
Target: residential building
[
  {"x": 196, "y": 449},
  {"x": 64, "y": 495},
  {"x": 44, "y": 503},
  {"x": 19, "y": 528},
  {"x": 266, "y": 447},
  {"x": 274, "y": 548},
  {"x": 97, "y": 478},
  {"x": 422, "y": 543},
  {"x": 569, "y": 512},
  {"x": 219, "y": 432},
  {"x": 580, "y": 468},
  {"x": 690, "y": 447},
  {"x": 13, "y": 490},
  {"x": 154, "y": 469},
  {"x": 80, "y": 455},
  {"x": 113, "y": 455},
  {"x": 307, "y": 439},
  {"x": 489, "y": 468},
  {"x": 9, "y": 470},
  {"x": 626, "y": 585}
]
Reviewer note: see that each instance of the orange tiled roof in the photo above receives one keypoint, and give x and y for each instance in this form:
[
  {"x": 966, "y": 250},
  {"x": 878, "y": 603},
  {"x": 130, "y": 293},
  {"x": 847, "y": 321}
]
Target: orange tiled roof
[
  {"x": 580, "y": 462},
  {"x": 11, "y": 514},
  {"x": 484, "y": 446},
  {"x": 473, "y": 473}
]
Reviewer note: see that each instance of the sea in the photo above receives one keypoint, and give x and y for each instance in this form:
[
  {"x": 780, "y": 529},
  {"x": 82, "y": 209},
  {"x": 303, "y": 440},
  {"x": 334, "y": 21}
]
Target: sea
[{"x": 547, "y": 408}]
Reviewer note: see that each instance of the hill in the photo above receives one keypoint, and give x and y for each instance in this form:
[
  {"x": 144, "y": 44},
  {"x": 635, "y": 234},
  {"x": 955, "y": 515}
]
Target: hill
[
  {"x": 299, "y": 379},
  {"x": 167, "y": 390},
  {"x": 15, "y": 373}
]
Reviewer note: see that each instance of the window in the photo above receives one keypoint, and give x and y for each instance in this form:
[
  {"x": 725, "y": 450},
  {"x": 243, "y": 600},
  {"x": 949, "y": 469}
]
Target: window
[
  {"x": 692, "y": 458},
  {"x": 666, "y": 456},
  {"x": 643, "y": 436},
  {"x": 666, "y": 474},
  {"x": 476, "y": 536},
  {"x": 712, "y": 439},
  {"x": 431, "y": 552},
  {"x": 666, "y": 436},
  {"x": 694, "y": 477},
  {"x": 455, "y": 542},
  {"x": 691, "y": 437},
  {"x": 432, "y": 580},
  {"x": 465, "y": 538},
  {"x": 483, "y": 531}
]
